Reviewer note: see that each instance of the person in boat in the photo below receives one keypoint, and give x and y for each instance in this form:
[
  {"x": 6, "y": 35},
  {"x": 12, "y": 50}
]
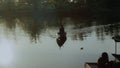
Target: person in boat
[
  {"x": 103, "y": 60},
  {"x": 61, "y": 30}
]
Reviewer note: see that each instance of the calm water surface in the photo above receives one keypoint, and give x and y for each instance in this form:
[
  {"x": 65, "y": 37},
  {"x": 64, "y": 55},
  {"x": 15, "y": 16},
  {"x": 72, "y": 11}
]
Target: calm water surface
[{"x": 30, "y": 42}]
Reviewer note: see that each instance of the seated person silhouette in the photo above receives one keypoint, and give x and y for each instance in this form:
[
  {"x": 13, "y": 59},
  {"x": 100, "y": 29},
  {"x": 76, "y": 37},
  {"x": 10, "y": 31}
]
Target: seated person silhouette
[
  {"x": 61, "y": 30},
  {"x": 103, "y": 60}
]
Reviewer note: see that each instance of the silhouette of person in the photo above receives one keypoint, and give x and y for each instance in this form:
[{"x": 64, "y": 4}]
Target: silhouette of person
[
  {"x": 61, "y": 30},
  {"x": 103, "y": 60}
]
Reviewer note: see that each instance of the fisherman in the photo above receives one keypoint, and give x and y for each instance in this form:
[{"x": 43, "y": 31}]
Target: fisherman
[
  {"x": 103, "y": 60},
  {"x": 61, "y": 30}
]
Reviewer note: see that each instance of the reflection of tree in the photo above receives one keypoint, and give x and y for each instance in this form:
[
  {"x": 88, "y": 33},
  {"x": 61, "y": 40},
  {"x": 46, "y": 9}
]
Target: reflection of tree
[
  {"x": 35, "y": 30},
  {"x": 109, "y": 30},
  {"x": 79, "y": 36},
  {"x": 31, "y": 27},
  {"x": 100, "y": 33},
  {"x": 102, "y": 29},
  {"x": 34, "y": 25},
  {"x": 10, "y": 22},
  {"x": 112, "y": 29}
]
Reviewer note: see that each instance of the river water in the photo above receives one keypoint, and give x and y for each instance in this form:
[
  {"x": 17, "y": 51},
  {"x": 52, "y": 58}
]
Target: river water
[{"x": 30, "y": 41}]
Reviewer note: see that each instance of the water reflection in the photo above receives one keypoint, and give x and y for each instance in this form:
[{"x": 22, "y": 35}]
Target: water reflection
[
  {"x": 61, "y": 36},
  {"x": 82, "y": 27},
  {"x": 82, "y": 35},
  {"x": 107, "y": 30},
  {"x": 31, "y": 27}
]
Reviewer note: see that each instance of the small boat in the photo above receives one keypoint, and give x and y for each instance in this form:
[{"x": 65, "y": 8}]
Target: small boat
[
  {"x": 61, "y": 37},
  {"x": 117, "y": 56}
]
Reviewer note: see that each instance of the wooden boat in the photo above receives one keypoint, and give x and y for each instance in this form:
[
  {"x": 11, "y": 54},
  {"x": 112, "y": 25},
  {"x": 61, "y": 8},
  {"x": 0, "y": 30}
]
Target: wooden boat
[
  {"x": 117, "y": 56},
  {"x": 61, "y": 37}
]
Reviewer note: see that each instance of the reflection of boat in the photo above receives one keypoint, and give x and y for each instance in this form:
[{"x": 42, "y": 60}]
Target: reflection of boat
[
  {"x": 61, "y": 37},
  {"x": 116, "y": 38}
]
